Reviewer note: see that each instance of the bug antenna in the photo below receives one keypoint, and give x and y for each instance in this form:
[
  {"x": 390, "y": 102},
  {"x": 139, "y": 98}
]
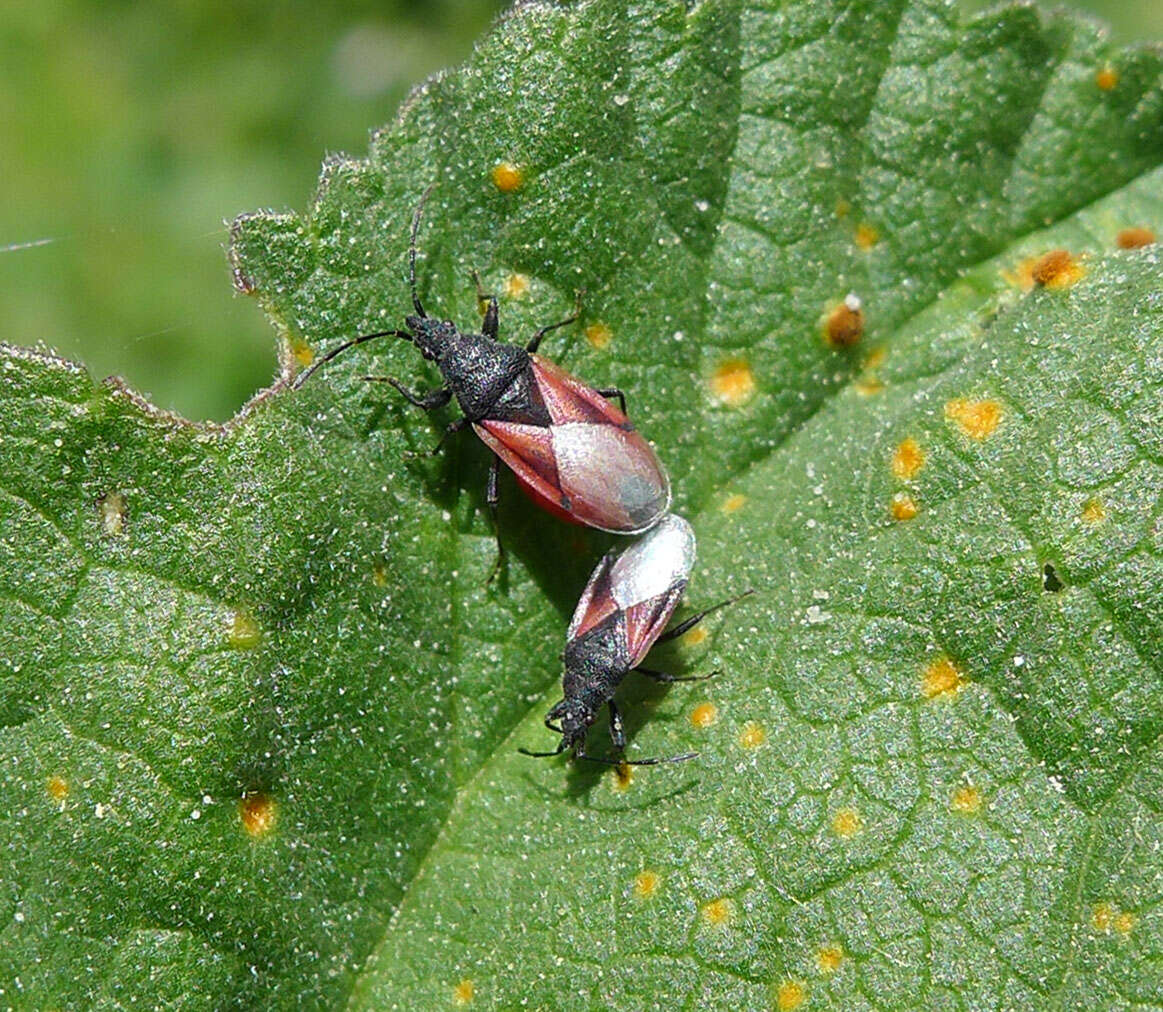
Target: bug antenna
[
  {"x": 302, "y": 377},
  {"x": 419, "y": 213},
  {"x": 638, "y": 762}
]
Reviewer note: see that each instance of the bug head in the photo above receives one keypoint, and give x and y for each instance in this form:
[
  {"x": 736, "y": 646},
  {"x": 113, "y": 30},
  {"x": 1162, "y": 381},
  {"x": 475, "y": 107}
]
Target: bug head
[
  {"x": 432, "y": 337},
  {"x": 575, "y": 717}
]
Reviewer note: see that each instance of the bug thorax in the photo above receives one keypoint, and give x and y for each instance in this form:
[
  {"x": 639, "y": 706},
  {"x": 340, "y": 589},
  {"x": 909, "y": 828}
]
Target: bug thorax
[{"x": 432, "y": 337}]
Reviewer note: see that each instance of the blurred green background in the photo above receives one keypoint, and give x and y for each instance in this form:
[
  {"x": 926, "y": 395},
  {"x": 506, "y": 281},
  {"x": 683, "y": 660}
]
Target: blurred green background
[{"x": 130, "y": 131}]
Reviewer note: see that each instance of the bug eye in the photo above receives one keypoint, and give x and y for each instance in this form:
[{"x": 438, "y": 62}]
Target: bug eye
[{"x": 590, "y": 718}]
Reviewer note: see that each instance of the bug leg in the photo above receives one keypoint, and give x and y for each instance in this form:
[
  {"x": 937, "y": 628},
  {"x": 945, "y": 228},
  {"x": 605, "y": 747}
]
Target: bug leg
[
  {"x": 666, "y": 676},
  {"x": 491, "y": 321},
  {"x": 614, "y": 392},
  {"x": 544, "y": 755},
  {"x": 617, "y": 732},
  {"x": 451, "y": 430},
  {"x": 694, "y": 620},
  {"x": 535, "y": 340},
  {"x": 492, "y": 497},
  {"x": 429, "y": 402}
]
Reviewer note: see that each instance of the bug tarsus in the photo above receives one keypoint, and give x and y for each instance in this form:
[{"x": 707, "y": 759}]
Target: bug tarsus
[
  {"x": 666, "y": 676},
  {"x": 614, "y": 392},
  {"x": 688, "y": 624},
  {"x": 492, "y": 499}
]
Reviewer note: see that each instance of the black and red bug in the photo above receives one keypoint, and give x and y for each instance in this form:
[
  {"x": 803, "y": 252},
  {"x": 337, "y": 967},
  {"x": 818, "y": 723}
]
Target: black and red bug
[
  {"x": 621, "y": 615},
  {"x": 571, "y": 449}
]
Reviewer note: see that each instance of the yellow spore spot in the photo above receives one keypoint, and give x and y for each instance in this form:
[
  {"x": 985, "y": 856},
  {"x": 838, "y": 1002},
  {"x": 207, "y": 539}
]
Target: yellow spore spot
[
  {"x": 58, "y": 788},
  {"x": 829, "y": 958},
  {"x": 1134, "y": 238},
  {"x": 718, "y": 912},
  {"x": 463, "y": 993},
  {"x": 302, "y": 352},
  {"x": 380, "y": 574},
  {"x": 599, "y": 335},
  {"x": 245, "y": 632},
  {"x": 507, "y": 177},
  {"x": 1093, "y": 512},
  {"x": 965, "y": 800},
  {"x": 941, "y": 678},
  {"x": 623, "y": 776},
  {"x": 876, "y": 358},
  {"x": 846, "y": 823},
  {"x": 695, "y": 637},
  {"x": 866, "y": 236},
  {"x": 733, "y": 382},
  {"x": 733, "y": 503},
  {"x": 1057, "y": 269},
  {"x": 844, "y": 325},
  {"x": 977, "y": 419},
  {"x": 704, "y": 715},
  {"x": 908, "y": 459},
  {"x": 646, "y": 884},
  {"x": 1125, "y": 922},
  {"x": 114, "y": 511},
  {"x": 1107, "y": 78},
  {"x": 791, "y": 995},
  {"x": 752, "y": 734},
  {"x": 843, "y": 208},
  {"x": 257, "y": 812},
  {"x": 869, "y": 384},
  {"x": 1102, "y": 916},
  {"x": 515, "y": 286},
  {"x": 903, "y": 506}
]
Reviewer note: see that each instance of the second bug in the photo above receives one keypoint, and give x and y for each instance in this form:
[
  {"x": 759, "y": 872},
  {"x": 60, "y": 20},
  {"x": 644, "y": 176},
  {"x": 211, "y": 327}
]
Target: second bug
[{"x": 573, "y": 451}]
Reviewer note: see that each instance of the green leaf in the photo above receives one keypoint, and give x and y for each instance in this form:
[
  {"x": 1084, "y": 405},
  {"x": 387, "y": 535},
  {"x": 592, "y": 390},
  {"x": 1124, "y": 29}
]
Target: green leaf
[{"x": 261, "y": 711}]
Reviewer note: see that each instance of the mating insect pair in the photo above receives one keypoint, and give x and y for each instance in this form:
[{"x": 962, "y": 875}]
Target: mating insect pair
[{"x": 579, "y": 457}]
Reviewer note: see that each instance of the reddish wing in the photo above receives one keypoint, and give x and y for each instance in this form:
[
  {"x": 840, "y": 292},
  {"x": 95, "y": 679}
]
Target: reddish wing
[
  {"x": 646, "y": 621},
  {"x": 597, "y": 601},
  {"x": 569, "y": 400},
  {"x": 528, "y": 451}
]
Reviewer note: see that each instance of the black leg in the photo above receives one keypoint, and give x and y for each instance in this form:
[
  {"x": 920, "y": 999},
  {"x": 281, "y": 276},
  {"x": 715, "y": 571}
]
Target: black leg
[
  {"x": 492, "y": 498},
  {"x": 429, "y": 402},
  {"x": 694, "y": 620},
  {"x": 665, "y": 676},
  {"x": 491, "y": 321},
  {"x": 614, "y": 392},
  {"x": 617, "y": 733},
  {"x": 535, "y": 340},
  {"x": 450, "y": 430}
]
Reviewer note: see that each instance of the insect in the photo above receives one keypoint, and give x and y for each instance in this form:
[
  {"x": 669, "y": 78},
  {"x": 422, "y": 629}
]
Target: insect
[
  {"x": 571, "y": 449},
  {"x": 621, "y": 615}
]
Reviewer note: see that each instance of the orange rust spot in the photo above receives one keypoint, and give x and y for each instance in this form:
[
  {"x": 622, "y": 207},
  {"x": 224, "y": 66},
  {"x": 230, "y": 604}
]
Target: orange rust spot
[
  {"x": 845, "y": 324},
  {"x": 302, "y": 352},
  {"x": 599, "y": 335},
  {"x": 1102, "y": 916},
  {"x": 846, "y": 823},
  {"x": 704, "y": 715},
  {"x": 114, "y": 510},
  {"x": 903, "y": 506},
  {"x": 869, "y": 384},
  {"x": 733, "y": 503},
  {"x": 1107, "y": 78},
  {"x": 58, "y": 788},
  {"x": 623, "y": 776},
  {"x": 733, "y": 382},
  {"x": 752, "y": 735},
  {"x": 908, "y": 459},
  {"x": 965, "y": 800},
  {"x": 695, "y": 636},
  {"x": 1125, "y": 922},
  {"x": 646, "y": 884},
  {"x": 1057, "y": 269},
  {"x": 1093, "y": 512},
  {"x": 515, "y": 286},
  {"x": 257, "y": 812},
  {"x": 507, "y": 177},
  {"x": 245, "y": 633},
  {"x": 464, "y": 992},
  {"x": 718, "y": 912},
  {"x": 941, "y": 678},
  {"x": 977, "y": 419},
  {"x": 1134, "y": 238},
  {"x": 866, "y": 236},
  {"x": 790, "y": 996},
  {"x": 829, "y": 958},
  {"x": 876, "y": 358}
]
